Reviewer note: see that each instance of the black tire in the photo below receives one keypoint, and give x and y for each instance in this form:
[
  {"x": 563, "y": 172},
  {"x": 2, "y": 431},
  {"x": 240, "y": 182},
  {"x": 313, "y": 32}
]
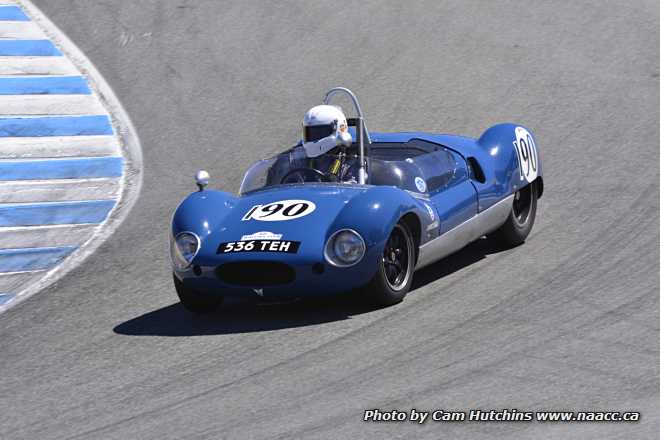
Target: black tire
[
  {"x": 196, "y": 302},
  {"x": 395, "y": 268},
  {"x": 521, "y": 218}
]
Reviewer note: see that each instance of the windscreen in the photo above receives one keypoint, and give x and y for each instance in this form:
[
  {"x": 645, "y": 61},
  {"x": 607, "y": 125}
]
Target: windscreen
[
  {"x": 293, "y": 167},
  {"x": 257, "y": 175}
]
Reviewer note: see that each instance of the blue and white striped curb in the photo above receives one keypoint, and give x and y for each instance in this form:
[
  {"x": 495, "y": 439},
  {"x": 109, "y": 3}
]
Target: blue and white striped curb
[{"x": 64, "y": 157}]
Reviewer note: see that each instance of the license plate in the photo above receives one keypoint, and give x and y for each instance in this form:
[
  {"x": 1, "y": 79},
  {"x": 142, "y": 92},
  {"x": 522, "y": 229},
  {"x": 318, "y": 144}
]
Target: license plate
[{"x": 284, "y": 246}]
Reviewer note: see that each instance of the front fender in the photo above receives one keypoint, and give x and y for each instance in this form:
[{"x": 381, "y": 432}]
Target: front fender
[
  {"x": 193, "y": 213},
  {"x": 375, "y": 212}
]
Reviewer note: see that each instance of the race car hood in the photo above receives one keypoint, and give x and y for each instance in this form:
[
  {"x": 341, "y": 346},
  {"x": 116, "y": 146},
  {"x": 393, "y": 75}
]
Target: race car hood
[
  {"x": 302, "y": 213},
  {"x": 294, "y": 211}
]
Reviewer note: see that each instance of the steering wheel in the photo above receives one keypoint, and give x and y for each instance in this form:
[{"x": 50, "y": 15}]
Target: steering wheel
[{"x": 301, "y": 175}]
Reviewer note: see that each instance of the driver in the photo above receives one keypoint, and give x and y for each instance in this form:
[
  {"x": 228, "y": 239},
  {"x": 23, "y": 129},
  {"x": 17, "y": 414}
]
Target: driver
[
  {"x": 321, "y": 127},
  {"x": 319, "y": 153}
]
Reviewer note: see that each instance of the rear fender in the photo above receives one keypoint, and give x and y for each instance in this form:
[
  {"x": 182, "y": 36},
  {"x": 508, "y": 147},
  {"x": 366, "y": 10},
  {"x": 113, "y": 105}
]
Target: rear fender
[{"x": 509, "y": 158}]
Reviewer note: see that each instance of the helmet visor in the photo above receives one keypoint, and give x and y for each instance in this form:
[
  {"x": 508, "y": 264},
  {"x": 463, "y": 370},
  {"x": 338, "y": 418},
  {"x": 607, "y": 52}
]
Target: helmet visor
[{"x": 312, "y": 133}]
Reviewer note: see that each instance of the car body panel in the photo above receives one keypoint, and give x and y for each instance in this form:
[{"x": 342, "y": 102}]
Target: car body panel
[
  {"x": 494, "y": 151},
  {"x": 370, "y": 210},
  {"x": 459, "y": 210}
]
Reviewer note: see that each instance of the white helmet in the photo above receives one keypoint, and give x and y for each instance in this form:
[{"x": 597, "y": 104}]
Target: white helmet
[{"x": 322, "y": 126}]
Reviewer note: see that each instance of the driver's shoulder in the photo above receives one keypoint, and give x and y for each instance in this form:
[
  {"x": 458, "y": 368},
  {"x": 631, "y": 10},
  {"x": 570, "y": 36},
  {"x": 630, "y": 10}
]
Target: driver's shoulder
[{"x": 297, "y": 153}]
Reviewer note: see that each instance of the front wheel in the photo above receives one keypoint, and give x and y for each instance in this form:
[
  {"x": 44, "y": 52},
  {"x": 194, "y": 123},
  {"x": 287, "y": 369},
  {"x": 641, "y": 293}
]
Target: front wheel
[
  {"x": 196, "y": 302},
  {"x": 395, "y": 268},
  {"x": 521, "y": 218}
]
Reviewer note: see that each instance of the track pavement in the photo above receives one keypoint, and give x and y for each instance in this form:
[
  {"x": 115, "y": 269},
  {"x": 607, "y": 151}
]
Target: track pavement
[{"x": 567, "y": 321}]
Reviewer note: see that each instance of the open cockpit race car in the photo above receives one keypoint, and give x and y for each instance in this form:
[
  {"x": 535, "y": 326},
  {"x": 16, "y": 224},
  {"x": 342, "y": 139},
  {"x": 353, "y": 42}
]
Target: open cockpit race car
[{"x": 346, "y": 210}]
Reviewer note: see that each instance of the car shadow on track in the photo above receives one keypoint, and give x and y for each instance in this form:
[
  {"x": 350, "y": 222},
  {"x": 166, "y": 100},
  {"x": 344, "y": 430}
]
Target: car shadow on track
[
  {"x": 240, "y": 317},
  {"x": 246, "y": 317}
]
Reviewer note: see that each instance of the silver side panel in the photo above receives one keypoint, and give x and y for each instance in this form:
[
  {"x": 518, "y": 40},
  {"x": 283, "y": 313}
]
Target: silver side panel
[{"x": 465, "y": 233}]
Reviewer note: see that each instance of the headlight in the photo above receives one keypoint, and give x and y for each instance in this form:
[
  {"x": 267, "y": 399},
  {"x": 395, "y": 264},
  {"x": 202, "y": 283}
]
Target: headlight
[
  {"x": 183, "y": 249},
  {"x": 344, "y": 248}
]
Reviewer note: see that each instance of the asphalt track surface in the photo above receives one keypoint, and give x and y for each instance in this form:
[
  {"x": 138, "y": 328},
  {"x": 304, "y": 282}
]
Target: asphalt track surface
[{"x": 570, "y": 320}]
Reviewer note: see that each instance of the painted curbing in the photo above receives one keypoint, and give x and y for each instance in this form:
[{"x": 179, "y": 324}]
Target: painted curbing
[{"x": 70, "y": 159}]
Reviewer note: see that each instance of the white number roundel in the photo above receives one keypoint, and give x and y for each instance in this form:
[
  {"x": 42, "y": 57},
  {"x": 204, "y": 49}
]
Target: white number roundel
[
  {"x": 280, "y": 211},
  {"x": 528, "y": 158}
]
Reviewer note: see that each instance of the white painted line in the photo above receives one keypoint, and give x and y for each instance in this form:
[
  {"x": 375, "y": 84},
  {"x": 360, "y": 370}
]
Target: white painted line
[
  {"x": 14, "y": 105},
  {"x": 59, "y": 190},
  {"x": 20, "y": 30},
  {"x": 36, "y": 236},
  {"x": 58, "y": 146},
  {"x": 37, "y": 66}
]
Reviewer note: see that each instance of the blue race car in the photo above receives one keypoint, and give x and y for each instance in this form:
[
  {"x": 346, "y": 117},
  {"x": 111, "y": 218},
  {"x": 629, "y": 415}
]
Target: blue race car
[{"x": 348, "y": 210}]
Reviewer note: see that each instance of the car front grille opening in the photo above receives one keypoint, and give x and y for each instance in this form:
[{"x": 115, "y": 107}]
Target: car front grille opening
[{"x": 256, "y": 273}]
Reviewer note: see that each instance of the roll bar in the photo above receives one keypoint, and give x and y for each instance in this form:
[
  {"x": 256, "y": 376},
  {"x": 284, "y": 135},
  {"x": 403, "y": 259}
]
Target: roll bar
[{"x": 360, "y": 129}]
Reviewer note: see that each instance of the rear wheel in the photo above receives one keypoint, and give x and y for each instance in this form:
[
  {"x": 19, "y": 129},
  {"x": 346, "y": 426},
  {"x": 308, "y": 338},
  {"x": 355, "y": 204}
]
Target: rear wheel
[
  {"x": 521, "y": 218},
  {"x": 395, "y": 268},
  {"x": 196, "y": 302}
]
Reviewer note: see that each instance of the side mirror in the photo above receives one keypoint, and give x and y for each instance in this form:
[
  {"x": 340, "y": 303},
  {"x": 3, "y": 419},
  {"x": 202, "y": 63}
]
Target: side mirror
[
  {"x": 202, "y": 179},
  {"x": 344, "y": 139}
]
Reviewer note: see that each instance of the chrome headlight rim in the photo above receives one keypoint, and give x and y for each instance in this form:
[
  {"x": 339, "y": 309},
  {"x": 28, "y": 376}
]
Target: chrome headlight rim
[
  {"x": 329, "y": 254},
  {"x": 178, "y": 260}
]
